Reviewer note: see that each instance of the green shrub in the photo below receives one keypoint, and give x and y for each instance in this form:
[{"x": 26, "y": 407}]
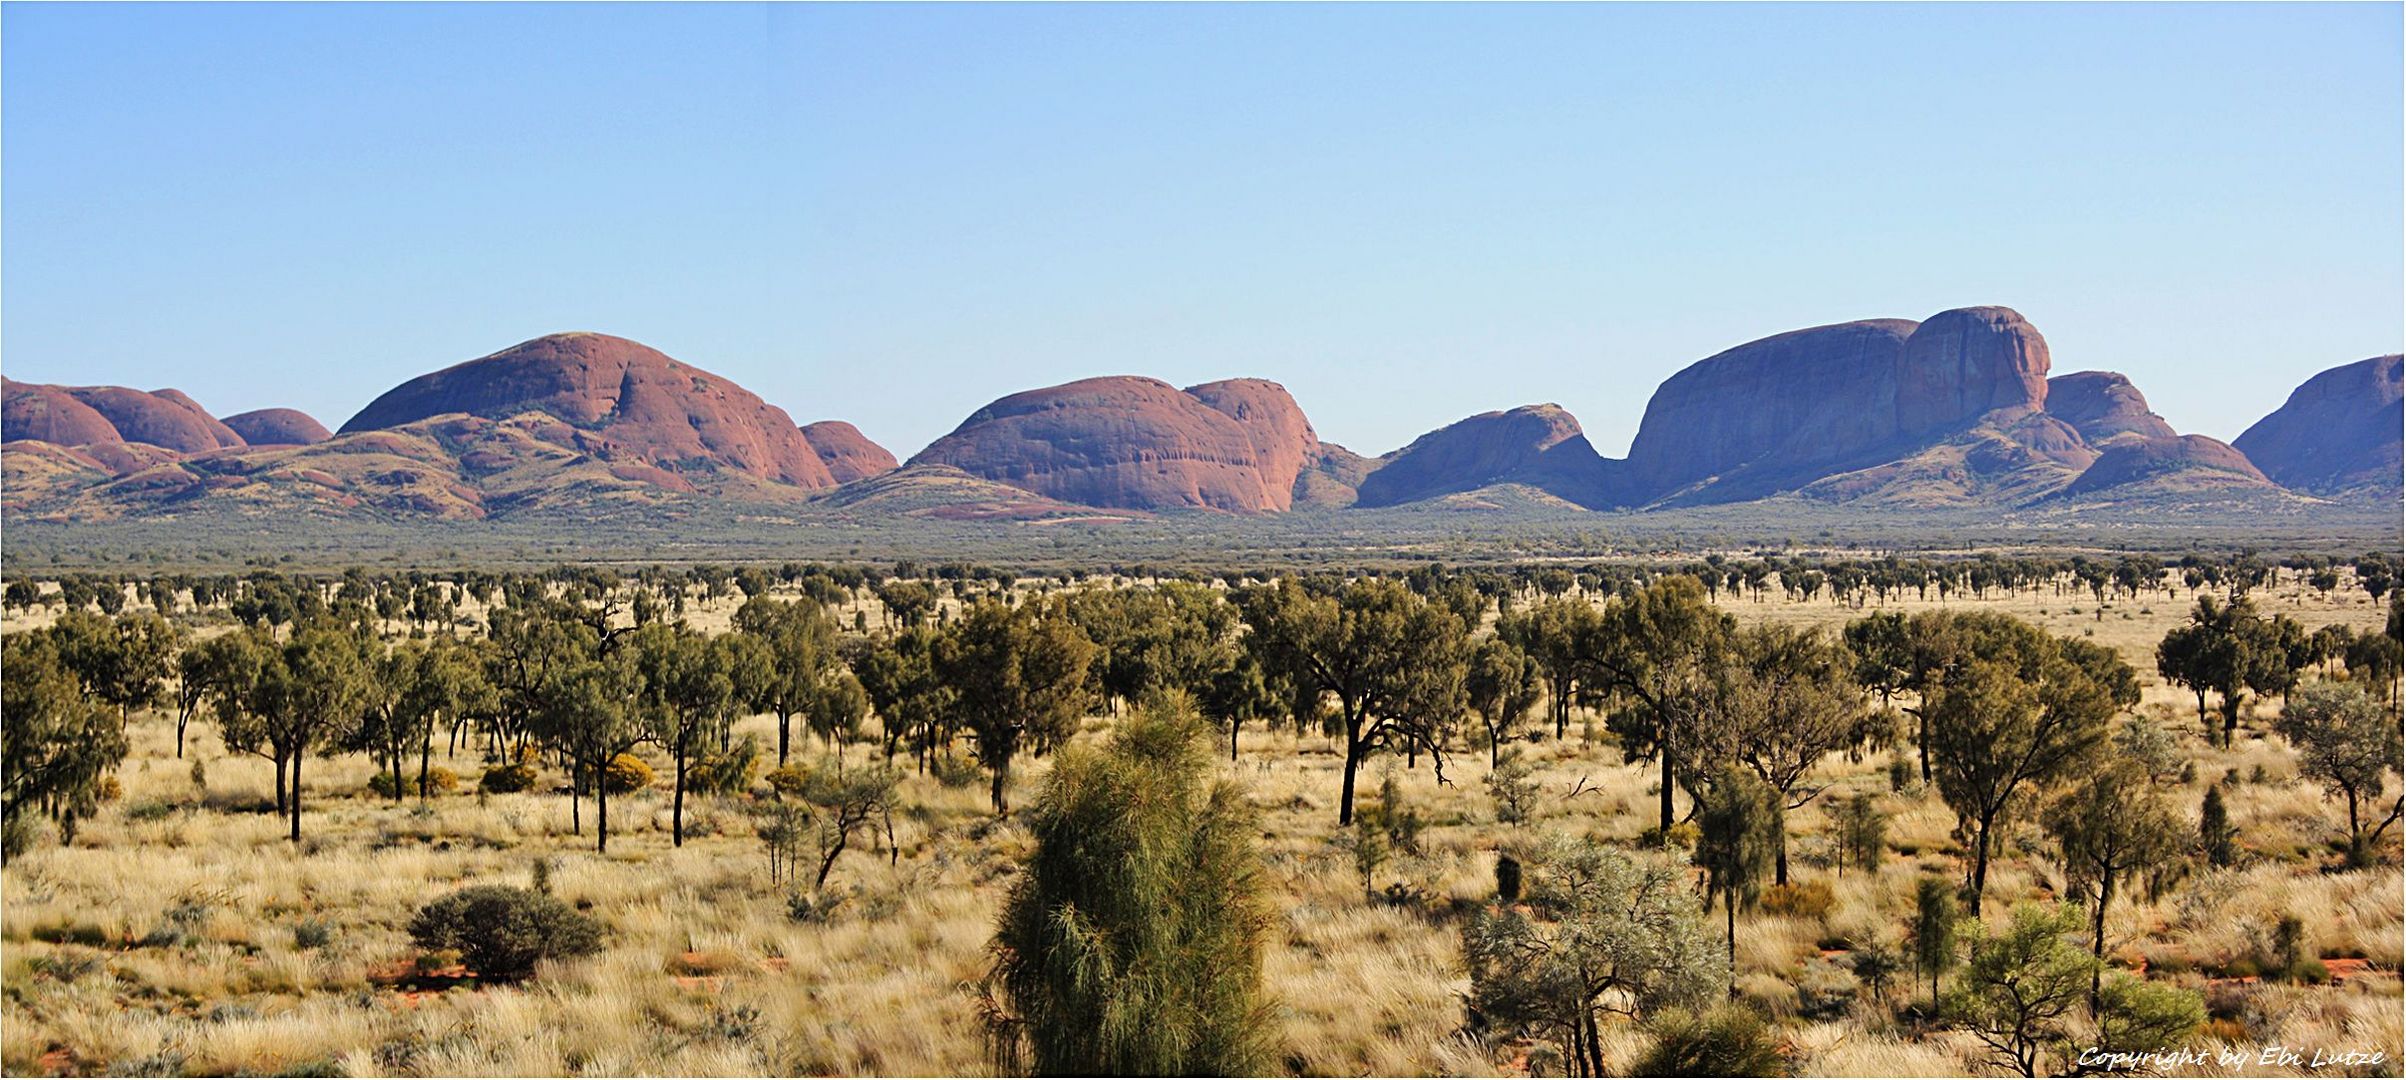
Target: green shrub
[
  {"x": 1728, "y": 1041},
  {"x": 502, "y": 932},
  {"x": 955, "y": 772},
  {"x": 312, "y": 934}
]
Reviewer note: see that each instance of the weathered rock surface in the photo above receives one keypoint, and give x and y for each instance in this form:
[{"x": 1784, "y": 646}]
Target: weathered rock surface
[
  {"x": 2338, "y": 433},
  {"x": 848, "y": 454},
  {"x": 278, "y": 427},
  {"x": 1136, "y": 443},
  {"x": 1537, "y": 445},
  {"x": 2103, "y": 406},
  {"x": 619, "y": 401}
]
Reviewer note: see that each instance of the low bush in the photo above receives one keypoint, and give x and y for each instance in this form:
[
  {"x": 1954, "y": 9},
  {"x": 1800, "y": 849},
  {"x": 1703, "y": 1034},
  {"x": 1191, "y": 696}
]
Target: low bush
[
  {"x": 626, "y": 774},
  {"x": 510, "y": 779},
  {"x": 500, "y": 932},
  {"x": 1803, "y": 900},
  {"x": 1728, "y": 1041}
]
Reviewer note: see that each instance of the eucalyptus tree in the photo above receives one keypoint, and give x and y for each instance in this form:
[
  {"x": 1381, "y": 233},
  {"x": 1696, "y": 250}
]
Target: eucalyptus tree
[
  {"x": 1394, "y": 661},
  {"x": 688, "y": 688},
  {"x": 2108, "y": 829},
  {"x": 2349, "y": 742},
  {"x": 2017, "y": 713},
  {"x": 1661, "y": 649},
  {"x": 1783, "y": 698},
  {"x": 803, "y": 656},
  {"x": 1018, "y": 680},
  {"x": 1503, "y": 684},
  {"x": 56, "y": 742}
]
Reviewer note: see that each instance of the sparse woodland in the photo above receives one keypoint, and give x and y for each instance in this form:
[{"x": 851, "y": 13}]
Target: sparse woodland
[{"x": 1719, "y": 815}]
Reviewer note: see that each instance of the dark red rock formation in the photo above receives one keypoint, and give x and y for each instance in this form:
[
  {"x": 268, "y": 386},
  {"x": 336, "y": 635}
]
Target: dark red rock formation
[
  {"x": 2339, "y": 432},
  {"x": 278, "y": 427},
  {"x": 1537, "y": 445},
  {"x": 1135, "y": 443},
  {"x": 848, "y": 454},
  {"x": 161, "y": 418},
  {"x": 50, "y": 414},
  {"x": 2190, "y": 461},
  {"x": 624, "y": 402},
  {"x": 2103, "y": 405},
  {"x": 1963, "y": 364}
]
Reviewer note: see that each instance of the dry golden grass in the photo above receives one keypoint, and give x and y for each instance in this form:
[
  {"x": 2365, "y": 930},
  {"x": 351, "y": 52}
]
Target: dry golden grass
[{"x": 169, "y": 937}]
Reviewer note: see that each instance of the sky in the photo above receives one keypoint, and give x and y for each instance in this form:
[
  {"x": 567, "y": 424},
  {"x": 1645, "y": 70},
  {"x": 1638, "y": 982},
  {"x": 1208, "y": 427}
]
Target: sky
[{"x": 1406, "y": 214}]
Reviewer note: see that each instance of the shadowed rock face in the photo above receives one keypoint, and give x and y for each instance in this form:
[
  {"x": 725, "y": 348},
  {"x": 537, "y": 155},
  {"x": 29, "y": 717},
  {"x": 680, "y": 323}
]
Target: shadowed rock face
[
  {"x": 848, "y": 454},
  {"x": 2103, "y": 405},
  {"x": 1136, "y": 443},
  {"x": 50, "y": 414},
  {"x": 1537, "y": 445},
  {"x": 2338, "y": 432},
  {"x": 625, "y": 401},
  {"x": 278, "y": 427},
  {"x": 1780, "y": 413}
]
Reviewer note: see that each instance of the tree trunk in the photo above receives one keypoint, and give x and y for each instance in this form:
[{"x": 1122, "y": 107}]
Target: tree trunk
[
  {"x": 281, "y": 805},
  {"x": 2105, "y": 895},
  {"x": 676, "y": 812},
  {"x": 785, "y": 735},
  {"x": 296, "y": 796},
  {"x": 1979, "y": 867},
  {"x": 1002, "y": 772},
  {"x": 1665, "y": 749},
  {"x": 601, "y": 818},
  {"x": 1353, "y": 762}
]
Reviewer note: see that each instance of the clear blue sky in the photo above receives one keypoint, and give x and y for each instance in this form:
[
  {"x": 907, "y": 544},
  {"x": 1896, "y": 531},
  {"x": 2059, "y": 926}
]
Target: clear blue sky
[{"x": 892, "y": 214}]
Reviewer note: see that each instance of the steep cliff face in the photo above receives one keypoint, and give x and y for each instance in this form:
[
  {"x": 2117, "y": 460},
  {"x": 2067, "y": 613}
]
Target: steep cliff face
[
  {"x": 625, "y": 402},
  {"x": 1786, "y": 411},
  {"x": 2338, "y": 433},
  {"x": 1136, "y": 443},
  {"x": 848, "y": 454},
  {"x": 1537, "y": 445},
  {"x": 2103, "y": 406},
  {"x": 1284, "y": 443},
  {"x": 1783, "y": 403},
  {"x": 1963, "y": 364},
  {"x": 278, "y": 427}
]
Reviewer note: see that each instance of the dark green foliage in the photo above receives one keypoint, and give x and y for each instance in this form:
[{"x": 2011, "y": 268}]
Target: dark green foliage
[
  {"x": 501, "y": 932},
  {"x": 1731, "y": 1040},
  {"x": 1131, "y": 945},
  {"x": 56, "y": 742},
  {"x": 1934, "y": 918}
]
